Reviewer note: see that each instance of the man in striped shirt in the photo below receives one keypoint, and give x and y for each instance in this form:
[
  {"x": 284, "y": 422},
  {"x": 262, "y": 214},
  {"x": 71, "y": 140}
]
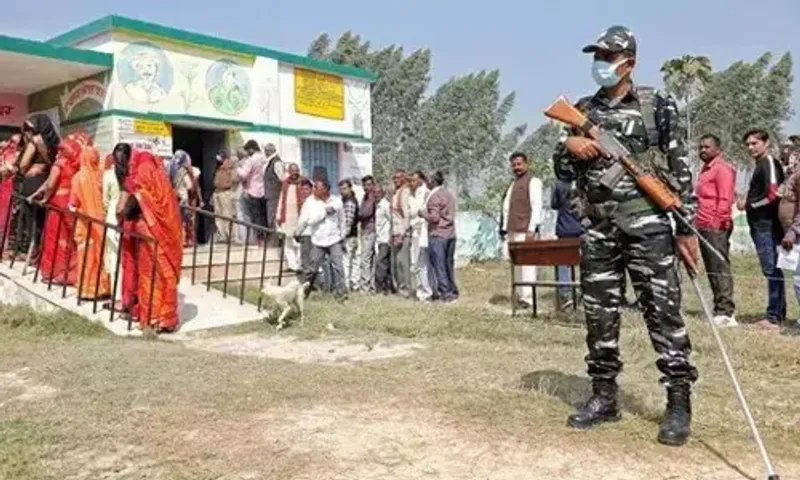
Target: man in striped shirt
[{"x": 351, "y": 250}]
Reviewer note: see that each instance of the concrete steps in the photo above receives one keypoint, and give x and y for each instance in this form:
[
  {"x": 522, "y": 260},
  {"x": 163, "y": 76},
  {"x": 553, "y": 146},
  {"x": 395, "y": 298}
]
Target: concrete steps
[
  {"x": 202, "y": 265},
  {"x": 200, "y": 308}
]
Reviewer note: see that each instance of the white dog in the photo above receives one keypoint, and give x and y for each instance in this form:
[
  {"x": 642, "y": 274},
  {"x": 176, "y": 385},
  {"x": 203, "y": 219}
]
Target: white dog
[{"x": 288, "y": 297}]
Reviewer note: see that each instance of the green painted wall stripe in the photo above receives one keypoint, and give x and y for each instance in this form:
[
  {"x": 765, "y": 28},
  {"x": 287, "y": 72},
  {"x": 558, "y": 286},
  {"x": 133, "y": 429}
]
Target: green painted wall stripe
[
  {"x": 57, "y": 52},
  {"x": 112, "y": 22},
  {"x": 230, "y": 124}
]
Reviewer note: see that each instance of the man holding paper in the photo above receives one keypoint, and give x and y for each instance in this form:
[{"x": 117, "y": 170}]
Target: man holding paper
[{"x": 788, "y": 213}]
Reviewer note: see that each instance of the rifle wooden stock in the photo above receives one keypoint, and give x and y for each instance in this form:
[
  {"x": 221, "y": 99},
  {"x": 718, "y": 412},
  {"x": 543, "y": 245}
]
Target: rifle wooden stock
[{"x": 563, "y": 111}]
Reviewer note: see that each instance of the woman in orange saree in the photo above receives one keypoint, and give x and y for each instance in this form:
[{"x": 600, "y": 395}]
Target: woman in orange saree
[
  {"x": 86, "y": 198},
  {"x": 58, "y": 260},
  {"x": 149, "y": 207}
]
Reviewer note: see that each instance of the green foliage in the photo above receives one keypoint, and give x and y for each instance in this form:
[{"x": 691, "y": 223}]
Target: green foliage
[
  {"x": 686, "y": 76},
  {"x": 458, "y": 129},
  {"x": 396, "y": 96},
  {"x": 742, "y": 97}
]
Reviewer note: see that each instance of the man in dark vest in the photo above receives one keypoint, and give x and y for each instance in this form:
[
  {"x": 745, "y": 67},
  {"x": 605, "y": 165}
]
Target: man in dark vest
[{"x": 273, "y": 178}]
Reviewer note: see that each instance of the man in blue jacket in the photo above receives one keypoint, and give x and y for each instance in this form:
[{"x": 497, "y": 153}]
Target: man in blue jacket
[{"x": 567, "y": 226}]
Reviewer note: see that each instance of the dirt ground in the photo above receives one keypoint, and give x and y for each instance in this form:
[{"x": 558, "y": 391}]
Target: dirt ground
[{"x": 380, "y": 388}]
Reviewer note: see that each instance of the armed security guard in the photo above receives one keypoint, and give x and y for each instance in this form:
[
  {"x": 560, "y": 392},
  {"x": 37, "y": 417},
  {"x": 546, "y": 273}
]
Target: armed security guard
[{"x": 625, "y": 230}]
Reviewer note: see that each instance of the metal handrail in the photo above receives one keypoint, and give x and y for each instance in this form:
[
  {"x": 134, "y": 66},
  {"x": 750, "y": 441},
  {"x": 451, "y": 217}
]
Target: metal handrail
[
  {"x": 37, "y": 238},
  {"x": 250, "y": 227}
]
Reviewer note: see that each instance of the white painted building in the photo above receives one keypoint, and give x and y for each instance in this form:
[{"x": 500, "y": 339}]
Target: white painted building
[{"x": 164, "y": 89}]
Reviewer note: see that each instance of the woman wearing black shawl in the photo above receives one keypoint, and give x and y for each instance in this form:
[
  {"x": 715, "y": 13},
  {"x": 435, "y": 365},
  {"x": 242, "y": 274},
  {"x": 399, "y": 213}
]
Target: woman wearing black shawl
[{"x": 32, "y": 169}]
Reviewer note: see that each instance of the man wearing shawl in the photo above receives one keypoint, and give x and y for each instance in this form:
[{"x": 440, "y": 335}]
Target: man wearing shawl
[
  {"x": 289, "y": 205},
  {"x": 87, "y": 199},
  {"x": 149, "y": 207}
]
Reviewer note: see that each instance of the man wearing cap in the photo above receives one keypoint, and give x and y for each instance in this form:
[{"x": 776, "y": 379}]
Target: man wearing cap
[{"x": 624, "y": 230}]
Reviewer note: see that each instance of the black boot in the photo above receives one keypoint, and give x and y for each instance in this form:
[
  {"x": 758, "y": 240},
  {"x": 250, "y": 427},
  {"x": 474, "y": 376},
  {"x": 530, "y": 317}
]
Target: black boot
[
  {"x": 675, "y": 428},
  {"x": 601, "y": 407}
]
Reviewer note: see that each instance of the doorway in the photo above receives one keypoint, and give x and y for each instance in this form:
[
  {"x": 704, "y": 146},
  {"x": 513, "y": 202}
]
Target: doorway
[{"x": 202, "y": 146}]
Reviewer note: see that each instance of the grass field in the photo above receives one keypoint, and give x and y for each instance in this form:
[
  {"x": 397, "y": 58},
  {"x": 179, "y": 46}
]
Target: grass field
[{"x": 478, "y": 395}]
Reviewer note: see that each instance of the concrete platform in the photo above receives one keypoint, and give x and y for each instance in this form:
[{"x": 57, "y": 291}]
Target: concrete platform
[{"x": 199, "y": 309}]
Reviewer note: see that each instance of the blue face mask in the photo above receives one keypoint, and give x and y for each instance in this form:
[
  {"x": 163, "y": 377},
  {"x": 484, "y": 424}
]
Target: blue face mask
[{"x": 605, "y": 73}]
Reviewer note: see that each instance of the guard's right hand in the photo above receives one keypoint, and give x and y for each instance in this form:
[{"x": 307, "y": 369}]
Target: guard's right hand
[{"x": 583, "y": 148}]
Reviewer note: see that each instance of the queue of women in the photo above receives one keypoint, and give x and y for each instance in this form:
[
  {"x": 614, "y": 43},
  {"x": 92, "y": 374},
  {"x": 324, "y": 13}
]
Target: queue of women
[{"x": 130, "y": 190}]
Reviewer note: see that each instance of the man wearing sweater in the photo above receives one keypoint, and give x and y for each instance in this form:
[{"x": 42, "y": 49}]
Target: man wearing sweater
[{"x": 765, "y": 227}]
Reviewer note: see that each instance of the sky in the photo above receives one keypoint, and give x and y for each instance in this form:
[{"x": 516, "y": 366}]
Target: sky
[{"x": 536, "y": 46}]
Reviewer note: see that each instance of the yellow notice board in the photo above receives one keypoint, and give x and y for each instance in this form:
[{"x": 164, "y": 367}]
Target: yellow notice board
[
  {"x": 318, "y": 94},
  {"x": 151, "y": 128}
]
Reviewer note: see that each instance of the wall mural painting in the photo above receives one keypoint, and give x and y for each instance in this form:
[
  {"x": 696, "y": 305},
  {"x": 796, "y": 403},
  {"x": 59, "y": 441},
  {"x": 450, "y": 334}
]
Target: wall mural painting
[
  {"x": 145, "y": 72},
  {"x": 265, "y": 92},
  {"x": 228, "y": 87},
  {"x": 84, "y": 98},
  {"x": 188, "y": 71},
  {"x": 358, "y": 101}
]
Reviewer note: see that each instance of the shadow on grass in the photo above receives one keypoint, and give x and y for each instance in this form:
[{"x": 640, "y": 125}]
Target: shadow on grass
[
  {"x": 724, "y": 460},
  {"x": 574, "y": 390}
]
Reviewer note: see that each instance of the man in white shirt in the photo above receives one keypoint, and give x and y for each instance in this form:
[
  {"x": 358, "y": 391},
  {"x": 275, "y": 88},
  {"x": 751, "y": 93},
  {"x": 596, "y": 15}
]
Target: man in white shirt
[
  {"x": 324, "y": 215},
  {"x": 383, "y": 238},
  {"x": 420, "y": 262}
]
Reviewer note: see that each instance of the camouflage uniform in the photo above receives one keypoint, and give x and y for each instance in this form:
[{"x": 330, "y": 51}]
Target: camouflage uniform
[{"x": 624, "y": 230}]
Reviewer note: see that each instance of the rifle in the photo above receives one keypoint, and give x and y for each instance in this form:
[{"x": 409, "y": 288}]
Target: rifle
[{"x": 651, "y": 185}]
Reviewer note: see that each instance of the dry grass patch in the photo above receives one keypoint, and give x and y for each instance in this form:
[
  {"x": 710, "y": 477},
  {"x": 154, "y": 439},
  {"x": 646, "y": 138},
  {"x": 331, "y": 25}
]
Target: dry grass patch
[{"x": 486, "y": 397}]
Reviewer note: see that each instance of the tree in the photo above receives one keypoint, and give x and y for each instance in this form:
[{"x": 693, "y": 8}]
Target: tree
[
  {"x": 459, "y": 127},
  {"x": 538, "y": 146},
  {"x": 396, "y": 96},
  {"x": 455, "y": 130},
  {"x": 687, "y": 77},
  {"x": 742, "y": 97}
]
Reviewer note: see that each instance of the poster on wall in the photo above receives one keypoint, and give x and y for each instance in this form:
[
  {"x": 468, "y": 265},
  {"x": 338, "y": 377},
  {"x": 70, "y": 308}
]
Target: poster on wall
[
  {"x": 13, "y": 110},
  {"x": 356, "y": 161},
  {"x": 148, "y": 135},
  {"x": 318, "y": 94}
]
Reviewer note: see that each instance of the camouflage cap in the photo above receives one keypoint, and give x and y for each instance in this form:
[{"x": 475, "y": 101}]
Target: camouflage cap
[{"x": 614, "y": 39}]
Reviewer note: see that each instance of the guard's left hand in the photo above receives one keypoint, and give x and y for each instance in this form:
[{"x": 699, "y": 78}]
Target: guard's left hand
[{"x": 687, "y": 249}]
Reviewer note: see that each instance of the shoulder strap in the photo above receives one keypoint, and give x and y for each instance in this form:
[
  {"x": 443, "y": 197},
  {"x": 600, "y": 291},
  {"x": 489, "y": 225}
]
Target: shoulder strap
[{"x": 649, "y": 104}]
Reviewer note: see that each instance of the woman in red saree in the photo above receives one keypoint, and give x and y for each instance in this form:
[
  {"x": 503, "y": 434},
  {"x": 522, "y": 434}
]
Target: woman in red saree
[
  {"x": 148, "y": 207},
  {"x": 58, "y": 260},
  {"x": 86, "y": 198},
  {"x": 9, "y": 151}
]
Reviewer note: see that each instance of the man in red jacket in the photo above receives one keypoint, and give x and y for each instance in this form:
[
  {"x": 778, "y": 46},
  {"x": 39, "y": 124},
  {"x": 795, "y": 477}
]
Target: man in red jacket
[{"x": 716, "y": 184}]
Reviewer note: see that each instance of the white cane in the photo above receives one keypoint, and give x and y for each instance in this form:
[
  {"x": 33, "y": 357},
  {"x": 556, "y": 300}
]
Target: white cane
[{"x": 771, "y": 475}]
